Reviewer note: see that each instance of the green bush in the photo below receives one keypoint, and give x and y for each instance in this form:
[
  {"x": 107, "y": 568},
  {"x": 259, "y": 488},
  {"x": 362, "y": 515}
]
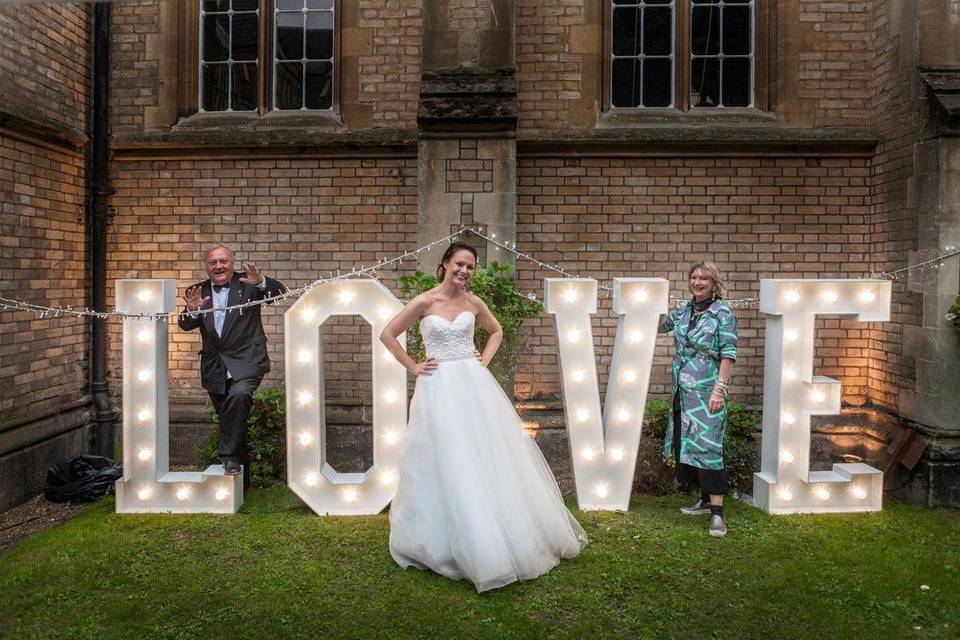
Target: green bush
[
  {"x": 266, "y": 438},
  {"x": 656, "y": 475},
  {"x": 953, "y": 314},
  {"x": 495, "y": 285}
]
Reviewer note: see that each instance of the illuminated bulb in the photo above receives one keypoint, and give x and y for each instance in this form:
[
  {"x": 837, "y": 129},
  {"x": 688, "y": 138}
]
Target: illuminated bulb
[
  {"x": 790, "y": 374},
  {"x": 822, "y": 492},
  {"x": 305, "y": 438},
  {"x": 635, "y": 336},
  {"x": 616, "y": 454},
  {"x": 582, "y": 415},
  {"x": 786, "y": 456},
  {"x": 866, "y": 295},
  {"x": 304, "y": 398},
  {"x": 788, "y": 418},
  {"x": 786, "y": 494},
  {"x": 144, "y": 335},
  {"x": 602, "y": 489},
  {"x": 145, "y": 493},
  {"x": 183, "y": 493},
  {"x": 577, "y": 375},
  {"x": 221, "y": 493},
  {"x": 790, "y": 335},
  {"x": 391, "y": 437},
  {"x": 143, "y": 415},
  {"x": 817, "y": 396},
  {"x": 629, "y": 376},
  {"x": 570, "y": 295},
  {"x": 859, "y": 492},
  {"x": 390, "y": 396},
  {"x": 587, "y": 453},
  {"x": 623, "y": 414},
  {"x": 573, "y": 335},
  {"x": 640, "y": 295},
  {"x": 384, "y": 313},
  {"x": 388, "y": 476},
  {"x": 144, "y": 454},
  {"x": 311, "y": 480},
  {"x": 349, "y": 494},
  {"x": 144, "y": 375},
  {"x": 346, "y": 296},
  {"x": 304, "y": 355},
  {"x": 792, "y": 296},
  {"x": 144, "y": 295},
  {"x": 829, "y": 296},
  {"x": 308, "y": 314}
]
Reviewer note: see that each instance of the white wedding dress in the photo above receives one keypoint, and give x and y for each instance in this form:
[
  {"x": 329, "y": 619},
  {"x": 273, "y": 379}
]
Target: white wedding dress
[{"x": 475, "y": 497}]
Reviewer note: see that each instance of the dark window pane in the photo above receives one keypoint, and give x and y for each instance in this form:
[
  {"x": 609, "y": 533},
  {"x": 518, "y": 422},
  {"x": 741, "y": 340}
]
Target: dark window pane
[
  {"x": 289, "y": 36},
  {"x": 215, "y": 87},
  {"x": 216, "y": 37},
  {"x": 657, "y": 31},
  {"x": 706, "y": 1},
  {"x": 736, "y": 30},
  {"x": 705, "y": 31},
  {"x": 626, "y": 23},
  {"x": 289, "y": 85},
  {"x": 246, "y": 37},
  {"x": 657, "y": 82},
  {"x": 626, "y": 83},
  {"x": 736, "y": 82},
  {"x": 244, "y": 94},
  {"x": 737, "y": 1},
  {"x": 284, "y": 5},
  {"x": 216, "y": 5},
  {"x": 705, "y": 82},
  {"x": 319, "y": 85},
  {"x": 659, "y": 1},
  {"x": 319, "y": 4},
  {"x": 320, "y": 36},
  {"x": 245, "y": 5}
]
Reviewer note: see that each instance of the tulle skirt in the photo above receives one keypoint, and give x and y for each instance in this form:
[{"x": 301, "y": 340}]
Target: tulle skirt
[{"x": 475, "y": 497}]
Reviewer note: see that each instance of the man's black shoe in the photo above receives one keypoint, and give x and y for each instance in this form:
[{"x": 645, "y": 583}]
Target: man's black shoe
[{"x": 232, "y": 467}]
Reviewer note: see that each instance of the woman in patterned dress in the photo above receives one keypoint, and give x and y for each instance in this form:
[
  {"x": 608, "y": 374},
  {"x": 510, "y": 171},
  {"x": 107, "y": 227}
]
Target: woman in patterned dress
[{"x": 705, "y": 336}]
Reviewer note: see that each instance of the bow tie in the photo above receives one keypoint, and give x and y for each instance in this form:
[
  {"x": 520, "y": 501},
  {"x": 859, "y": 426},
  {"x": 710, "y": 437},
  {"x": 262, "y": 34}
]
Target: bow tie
[{"x": 220, "y": 287}]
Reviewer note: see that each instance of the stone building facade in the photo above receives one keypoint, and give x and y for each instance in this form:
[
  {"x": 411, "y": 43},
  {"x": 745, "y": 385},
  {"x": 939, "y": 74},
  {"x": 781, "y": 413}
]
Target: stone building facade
[{"x": 502, "y": 114}]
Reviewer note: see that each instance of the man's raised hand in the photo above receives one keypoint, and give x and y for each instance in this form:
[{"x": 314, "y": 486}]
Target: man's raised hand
[
  {"x": 254, "y": 274},
  {"x": 194, "y": 298}
]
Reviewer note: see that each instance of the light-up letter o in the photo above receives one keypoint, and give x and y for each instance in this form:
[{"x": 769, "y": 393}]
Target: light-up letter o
[
  {"x": 791, "y": 394},
  {"x": 324, "y": 489},
  {"x": 604, "y": 448},
  {"x": 148, "y": 486}
]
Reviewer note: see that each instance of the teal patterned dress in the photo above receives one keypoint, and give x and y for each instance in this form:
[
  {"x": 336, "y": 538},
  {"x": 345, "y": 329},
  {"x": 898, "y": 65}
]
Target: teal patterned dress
[{"x": 696, "y": 367}]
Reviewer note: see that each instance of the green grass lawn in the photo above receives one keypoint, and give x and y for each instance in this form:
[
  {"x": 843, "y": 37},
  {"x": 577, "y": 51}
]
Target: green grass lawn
[{"x": 277, "y": 570}]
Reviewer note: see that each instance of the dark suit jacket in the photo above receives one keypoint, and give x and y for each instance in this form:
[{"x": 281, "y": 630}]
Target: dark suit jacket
[{"x": 243, "y": 347}]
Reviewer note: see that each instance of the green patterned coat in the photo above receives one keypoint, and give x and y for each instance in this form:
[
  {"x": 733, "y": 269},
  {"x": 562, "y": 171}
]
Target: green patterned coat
[{"x": 696, "y": 367}]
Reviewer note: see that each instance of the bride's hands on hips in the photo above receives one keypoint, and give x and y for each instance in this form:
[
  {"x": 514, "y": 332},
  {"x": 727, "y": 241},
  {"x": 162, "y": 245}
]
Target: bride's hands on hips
[
  {"x": 424, "y": 368},
  {"x": 478, "y": 356}
]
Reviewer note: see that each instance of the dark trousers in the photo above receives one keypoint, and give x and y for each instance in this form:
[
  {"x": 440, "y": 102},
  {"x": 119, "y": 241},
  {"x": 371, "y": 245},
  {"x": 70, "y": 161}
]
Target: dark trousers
[
  {"x": 233, "y": 407},
  {"x": 710, "y": 481}
]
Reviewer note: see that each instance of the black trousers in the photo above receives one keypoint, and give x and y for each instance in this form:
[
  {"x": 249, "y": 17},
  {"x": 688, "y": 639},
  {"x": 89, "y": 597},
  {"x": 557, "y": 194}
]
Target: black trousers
[
  {"x": 711, "y": 481},
  {"x": 233, "y": 408}
]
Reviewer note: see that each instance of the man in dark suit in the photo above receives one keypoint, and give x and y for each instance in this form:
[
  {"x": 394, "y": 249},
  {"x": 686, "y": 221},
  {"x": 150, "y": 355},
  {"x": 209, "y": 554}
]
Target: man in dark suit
[{"x": 233, "y": 359}]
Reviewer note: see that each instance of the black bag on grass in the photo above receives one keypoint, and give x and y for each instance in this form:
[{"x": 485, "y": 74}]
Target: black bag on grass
[{"x": 82, "y": 478}]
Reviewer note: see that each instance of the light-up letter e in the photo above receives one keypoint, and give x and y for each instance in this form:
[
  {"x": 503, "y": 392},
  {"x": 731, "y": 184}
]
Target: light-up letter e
[
  {"x": 323, "y": 488},
  {"x": 148, "y": 485},
  {"x": 791, "y": 394},
  {"x": 604, "y": 447}
]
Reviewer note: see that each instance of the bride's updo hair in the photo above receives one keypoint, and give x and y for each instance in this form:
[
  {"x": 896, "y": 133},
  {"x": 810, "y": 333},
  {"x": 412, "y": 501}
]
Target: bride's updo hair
[{"x": 452, "y": 249}]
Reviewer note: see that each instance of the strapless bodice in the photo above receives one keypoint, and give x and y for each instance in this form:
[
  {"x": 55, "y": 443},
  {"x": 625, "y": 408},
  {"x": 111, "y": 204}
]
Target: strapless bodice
[{"x": 448, "y": 339}]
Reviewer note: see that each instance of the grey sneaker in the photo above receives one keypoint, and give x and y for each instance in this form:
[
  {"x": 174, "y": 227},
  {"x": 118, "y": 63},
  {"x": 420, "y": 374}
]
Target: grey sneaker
[
  {"x": 697, "y": 508},
  {"x": 718, "y": 528}
]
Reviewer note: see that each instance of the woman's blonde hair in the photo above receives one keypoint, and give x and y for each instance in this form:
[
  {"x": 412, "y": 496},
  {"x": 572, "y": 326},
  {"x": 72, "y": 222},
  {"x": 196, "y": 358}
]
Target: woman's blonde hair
[{"x": 713, "y": 271}]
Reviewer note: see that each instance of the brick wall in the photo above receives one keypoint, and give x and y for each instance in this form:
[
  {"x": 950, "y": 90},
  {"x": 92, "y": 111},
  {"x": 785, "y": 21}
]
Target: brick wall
[
  {"x": 44, "y": 57},
  {"x": 297, "y": 219},
  {"x": 758, "y": 218},
  {"x": 133, "y": 73},
  {"x": 42, "y": 359}
]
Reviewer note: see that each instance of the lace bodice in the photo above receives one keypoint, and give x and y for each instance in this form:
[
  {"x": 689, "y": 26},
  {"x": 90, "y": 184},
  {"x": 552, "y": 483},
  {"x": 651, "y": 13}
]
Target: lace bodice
[{"x": 448, "y": 340}]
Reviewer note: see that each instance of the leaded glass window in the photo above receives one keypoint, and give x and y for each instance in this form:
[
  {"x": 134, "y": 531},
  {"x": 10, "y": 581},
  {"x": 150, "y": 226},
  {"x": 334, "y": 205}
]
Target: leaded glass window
[
  {"x": 721, "y": 52},
  {"x": 303, "y": 60},
  {"x": 642, "y": 64},
  {"x": 229, "y": 52}
]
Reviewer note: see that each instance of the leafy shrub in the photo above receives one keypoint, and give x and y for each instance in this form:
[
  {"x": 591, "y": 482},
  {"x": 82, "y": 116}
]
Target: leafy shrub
[{"x": 266, "y": 440}]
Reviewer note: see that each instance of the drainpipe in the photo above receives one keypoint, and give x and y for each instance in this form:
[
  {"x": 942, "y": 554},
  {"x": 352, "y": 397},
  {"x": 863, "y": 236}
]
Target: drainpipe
[{"x": 98, "y": 186}]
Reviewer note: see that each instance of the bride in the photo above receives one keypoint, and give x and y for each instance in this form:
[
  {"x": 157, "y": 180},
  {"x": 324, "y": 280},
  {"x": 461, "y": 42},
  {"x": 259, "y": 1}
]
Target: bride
[{"x": 475, "y": 498}]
